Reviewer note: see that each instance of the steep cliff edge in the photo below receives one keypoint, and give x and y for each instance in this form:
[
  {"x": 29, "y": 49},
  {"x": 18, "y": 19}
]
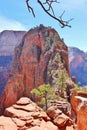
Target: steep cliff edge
[{"x": 32, "y": 63}]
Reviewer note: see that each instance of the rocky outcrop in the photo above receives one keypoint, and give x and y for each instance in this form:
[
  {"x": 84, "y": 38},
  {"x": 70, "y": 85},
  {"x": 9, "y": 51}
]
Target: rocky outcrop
[
  {"x": 8, "y": 41},
  {"x": 75, "y": 100},
  {"x": 59, "y": 118},
  {"x": 79, "y": 106},
  {"x": 82, "y": 113},
  {"x": 32, "y": 66},
  {"x": 64, "y": 106},
  {"x": 26, "y": 115},
  {"x": 78, "y": 65}
]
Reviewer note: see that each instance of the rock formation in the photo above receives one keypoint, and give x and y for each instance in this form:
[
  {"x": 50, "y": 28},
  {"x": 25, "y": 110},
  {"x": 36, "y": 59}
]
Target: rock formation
[
  {"x": 59, "y": 118},
  {"x": 79, "y": 106},
  {"x": 26, "y": 115},
  {"x": 39, "y": 48}
]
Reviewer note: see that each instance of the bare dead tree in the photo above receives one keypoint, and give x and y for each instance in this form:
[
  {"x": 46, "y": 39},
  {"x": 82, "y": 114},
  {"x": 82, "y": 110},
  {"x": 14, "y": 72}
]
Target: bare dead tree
[{"x": 48, "y": 8}]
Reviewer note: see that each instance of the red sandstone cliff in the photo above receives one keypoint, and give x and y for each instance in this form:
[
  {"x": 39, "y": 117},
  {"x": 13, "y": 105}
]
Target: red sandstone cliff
[{"x": 39, "y": 47}]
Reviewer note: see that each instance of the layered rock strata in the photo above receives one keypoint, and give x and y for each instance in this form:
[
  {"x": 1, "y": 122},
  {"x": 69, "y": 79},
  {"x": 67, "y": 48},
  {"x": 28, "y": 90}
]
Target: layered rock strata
[{"x": 26, "y": 115}]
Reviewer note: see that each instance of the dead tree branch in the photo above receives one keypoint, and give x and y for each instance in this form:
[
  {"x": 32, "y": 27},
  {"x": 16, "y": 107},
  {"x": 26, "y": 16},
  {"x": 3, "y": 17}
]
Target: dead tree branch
[
  {"x": 30, "y": 8},
  {"x": 47, "y": 7}
]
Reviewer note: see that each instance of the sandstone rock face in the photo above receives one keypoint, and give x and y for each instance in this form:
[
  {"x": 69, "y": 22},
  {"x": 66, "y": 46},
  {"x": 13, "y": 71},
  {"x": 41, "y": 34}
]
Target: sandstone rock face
[
  {"x": 79, "y": 105},
  {"x": 82, "y": 118},
  {"x": 25, "y": 115},
  {"x": 82, "y": 112},
  {"x": 75, "y": 101},
  {"x": 74, "y": 104},
  {"x": 32, "y": 63}
]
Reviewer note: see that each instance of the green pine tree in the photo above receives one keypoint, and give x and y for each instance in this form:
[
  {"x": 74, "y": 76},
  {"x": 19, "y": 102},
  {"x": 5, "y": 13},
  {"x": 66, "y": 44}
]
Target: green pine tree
[
  {"x": 61, "y": 82},
  {"x": 45, "y": 93}
]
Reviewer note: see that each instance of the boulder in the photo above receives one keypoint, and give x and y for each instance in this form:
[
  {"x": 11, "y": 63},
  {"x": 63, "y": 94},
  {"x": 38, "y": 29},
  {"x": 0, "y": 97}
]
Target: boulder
[
  {"x": 59, "y": 118},
  {"x": 16, "y": 117}
]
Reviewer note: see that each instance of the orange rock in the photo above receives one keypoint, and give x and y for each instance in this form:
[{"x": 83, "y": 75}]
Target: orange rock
[
  {"x": 60, "y": 119},
  {"x": 23, "y": 101},
  {"x": 82, "y": 111},
  {"x": 79, "y": 104},
  {"x": 82, "y": 119},
  {"x": 53, "y": 112},
  {"x": 6, "y": 123},
  {"x": 18, "y": 122},
  {"x": 74, "y": 104},
  {"x": 18, "y": 118}
]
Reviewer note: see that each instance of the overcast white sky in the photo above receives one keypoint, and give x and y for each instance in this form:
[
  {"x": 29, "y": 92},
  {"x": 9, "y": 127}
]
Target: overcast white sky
[{"x": 14, "y": 16}]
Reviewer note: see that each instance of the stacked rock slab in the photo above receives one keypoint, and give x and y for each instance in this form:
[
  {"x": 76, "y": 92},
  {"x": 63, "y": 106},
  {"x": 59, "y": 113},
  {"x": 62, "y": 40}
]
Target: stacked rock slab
[
  {"x": 60, "y": 119},
  {"x": 26, "y": 115}
]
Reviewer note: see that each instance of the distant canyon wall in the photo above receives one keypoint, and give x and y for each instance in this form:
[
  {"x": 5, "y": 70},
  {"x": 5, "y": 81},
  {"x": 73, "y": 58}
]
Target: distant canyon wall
[
  {"x": 8, "y": 41},
  {"x": 78, "y": 65}
]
